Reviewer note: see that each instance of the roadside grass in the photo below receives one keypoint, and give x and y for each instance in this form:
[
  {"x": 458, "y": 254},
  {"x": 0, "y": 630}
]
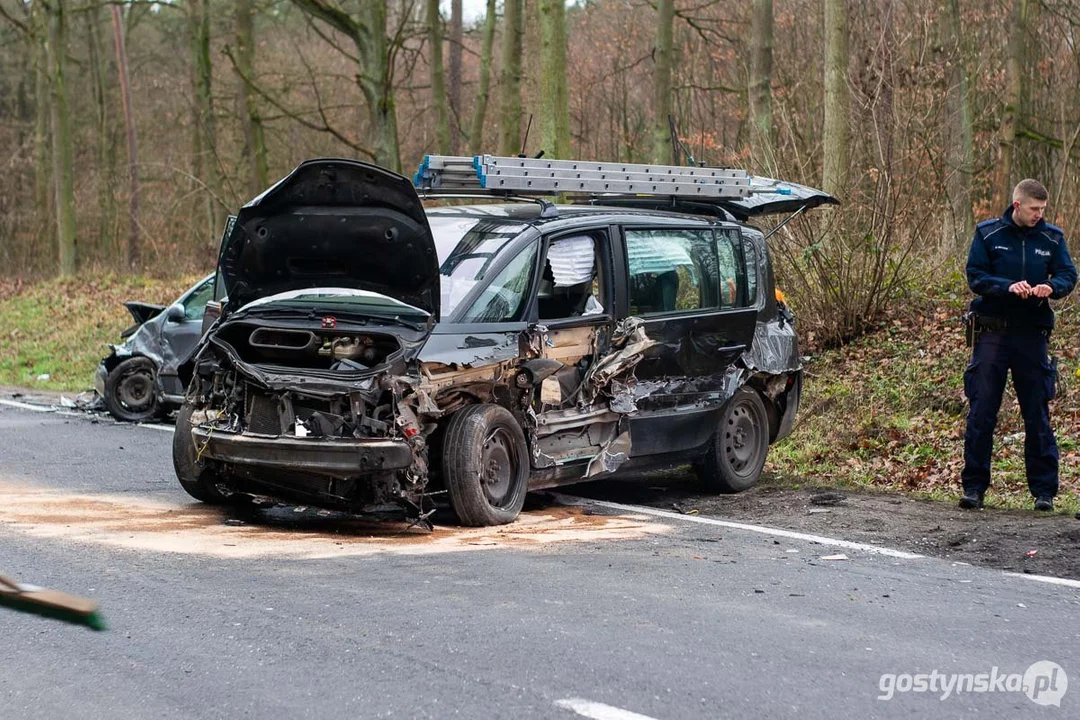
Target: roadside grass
[
  {"x": 887, "y": 412},
  {"x": 61, "y": 328}
]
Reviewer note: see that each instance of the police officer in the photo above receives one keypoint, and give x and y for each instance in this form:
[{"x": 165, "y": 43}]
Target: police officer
[{"x": 1017, "y": 262}]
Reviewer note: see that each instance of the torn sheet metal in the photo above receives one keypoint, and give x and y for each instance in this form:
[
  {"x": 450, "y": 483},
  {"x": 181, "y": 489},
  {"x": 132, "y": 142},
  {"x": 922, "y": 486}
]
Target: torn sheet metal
[
  {"x": 775, "y": 348},
  {"x": 613, "y": 454},
  {"x": 628, "y": 343}
]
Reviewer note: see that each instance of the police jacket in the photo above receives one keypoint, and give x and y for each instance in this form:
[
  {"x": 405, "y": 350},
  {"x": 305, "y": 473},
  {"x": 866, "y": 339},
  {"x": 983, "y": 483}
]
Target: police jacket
[{"x": 1003, "y": 253}]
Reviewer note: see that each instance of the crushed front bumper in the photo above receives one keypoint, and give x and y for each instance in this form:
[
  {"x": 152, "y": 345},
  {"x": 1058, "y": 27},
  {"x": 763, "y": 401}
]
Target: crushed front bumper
[{"x": 340, "y": 457}]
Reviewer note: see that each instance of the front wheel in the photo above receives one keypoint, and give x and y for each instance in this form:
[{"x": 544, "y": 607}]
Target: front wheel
[
  {"x": 737, "y": 452},
  {"x": 130, "y": 395},
  {"x": 197, "y": 480},
  {"x": 485, "y": 465}
]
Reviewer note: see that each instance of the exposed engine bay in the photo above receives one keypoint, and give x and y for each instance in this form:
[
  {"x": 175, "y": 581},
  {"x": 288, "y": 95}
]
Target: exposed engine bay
[{"x": 310, "y": 349}]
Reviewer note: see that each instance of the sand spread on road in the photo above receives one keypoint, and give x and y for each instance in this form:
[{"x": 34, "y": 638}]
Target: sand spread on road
[{"x": 144, "y": 524}]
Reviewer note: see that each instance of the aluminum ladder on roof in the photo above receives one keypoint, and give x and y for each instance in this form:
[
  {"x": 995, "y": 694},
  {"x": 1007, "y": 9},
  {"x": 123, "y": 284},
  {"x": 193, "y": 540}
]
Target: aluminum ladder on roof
[{"x": 489, "y": 174}]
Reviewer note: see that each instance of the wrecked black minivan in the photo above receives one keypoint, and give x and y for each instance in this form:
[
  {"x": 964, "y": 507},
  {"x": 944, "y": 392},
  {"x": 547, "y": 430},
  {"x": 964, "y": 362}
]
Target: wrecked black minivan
[{"x": 372, "y": 352}]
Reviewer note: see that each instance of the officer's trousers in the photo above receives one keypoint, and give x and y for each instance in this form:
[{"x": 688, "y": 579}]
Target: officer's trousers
[{"x": 994, "y": 356}]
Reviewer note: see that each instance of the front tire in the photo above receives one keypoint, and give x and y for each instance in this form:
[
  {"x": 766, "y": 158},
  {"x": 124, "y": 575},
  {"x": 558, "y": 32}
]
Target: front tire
[
  {"x": 197, "y": 480},
  {"x": 130, "y": 395},
  {"x": 738, "y": 450},
  {"x": 485, "y": 465}
]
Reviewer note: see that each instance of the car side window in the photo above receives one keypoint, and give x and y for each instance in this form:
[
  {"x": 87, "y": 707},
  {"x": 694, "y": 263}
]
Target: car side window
[
  {"x": 504, "y": 297},
  {"x": 671, "y": 270},
  {"x": 750, "y": 259},
  {"x": 195, "y": 304},
  {"x": 571, "y": 281},
  {"x": 728, "y": 256}
]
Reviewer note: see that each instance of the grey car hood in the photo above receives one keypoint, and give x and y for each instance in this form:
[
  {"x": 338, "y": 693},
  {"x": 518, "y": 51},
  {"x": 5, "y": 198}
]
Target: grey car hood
[{"x": 333, "y": 223}]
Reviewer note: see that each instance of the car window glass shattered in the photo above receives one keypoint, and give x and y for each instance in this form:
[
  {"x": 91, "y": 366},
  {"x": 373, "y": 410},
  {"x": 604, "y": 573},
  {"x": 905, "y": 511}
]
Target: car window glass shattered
[
  {"x": 503, "y": 298},
  {"x": 671, "y": 270},
  {"x": 571, "y": 260},
  {"x": 468, "y": 249}
]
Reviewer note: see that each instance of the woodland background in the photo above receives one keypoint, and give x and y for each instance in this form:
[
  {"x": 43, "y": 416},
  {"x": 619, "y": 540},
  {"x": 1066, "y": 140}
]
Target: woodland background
[{"x": 130, "y": 129}]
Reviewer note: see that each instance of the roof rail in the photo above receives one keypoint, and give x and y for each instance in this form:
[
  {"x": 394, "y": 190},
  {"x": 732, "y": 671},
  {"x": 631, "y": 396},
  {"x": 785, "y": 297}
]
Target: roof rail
[{"x": 489, "y": 174}]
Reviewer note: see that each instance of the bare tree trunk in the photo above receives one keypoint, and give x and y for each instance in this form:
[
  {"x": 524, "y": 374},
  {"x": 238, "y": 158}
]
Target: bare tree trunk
[
  {"x": 133, "y": 248},
  {"x": 837, "y": 137},
  {"x": 476, "y": 128},
  {"x": 662, "y": 150},
  {"x": 43, "y": 205},
  {"x": 454, "y": 74},
  {"x": 106, "y": 155},
  {"x": 510, "y": 81},
  {"x": 378, "y": 87},
  {"x": 554, "y": 97},
  {"x": 254, "y": 150},
  {"x": 205, "y": 121},
  {"x": 960, "y": 222},
  {"x": 374, "y": 76},
  {"x": 1010, "y": 118},
  {"x": 759, "y": 88},
  {"x": 438, "y": 86},
  {"x": 63, "y": 174}
]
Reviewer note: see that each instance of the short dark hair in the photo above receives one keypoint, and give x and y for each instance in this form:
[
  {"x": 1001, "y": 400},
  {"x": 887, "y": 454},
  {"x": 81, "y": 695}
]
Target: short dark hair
[{"x": 1030, "y": 189}]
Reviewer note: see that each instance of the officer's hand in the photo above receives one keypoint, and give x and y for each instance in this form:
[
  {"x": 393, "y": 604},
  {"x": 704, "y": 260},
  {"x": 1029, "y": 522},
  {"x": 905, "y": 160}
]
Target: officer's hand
[
  {"x": 1042, "y": 291},
  {"x": 1020, "y": 288}
]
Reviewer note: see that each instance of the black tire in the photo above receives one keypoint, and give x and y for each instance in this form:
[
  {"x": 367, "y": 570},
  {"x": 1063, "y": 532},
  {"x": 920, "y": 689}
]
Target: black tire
[
  {"x": 738, "y": 450},
  {"x": 197, "y": 480},
  {"x": 130, "y": 392},
  {"x": 485, "y": 465}
]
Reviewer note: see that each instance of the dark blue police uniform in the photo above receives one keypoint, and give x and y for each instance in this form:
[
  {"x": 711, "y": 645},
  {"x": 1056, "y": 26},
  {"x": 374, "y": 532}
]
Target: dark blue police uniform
[{"x": 1012, "y": 336}]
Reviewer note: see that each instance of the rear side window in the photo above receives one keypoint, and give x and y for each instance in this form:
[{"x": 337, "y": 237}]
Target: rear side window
[
  {"x": 728, "y": 255},
  {"x": 750, "y": 258},
  {"x": 671, "y": 270}
]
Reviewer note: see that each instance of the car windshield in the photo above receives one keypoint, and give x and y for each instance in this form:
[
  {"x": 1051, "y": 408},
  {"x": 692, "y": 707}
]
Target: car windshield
[
  {"x": 468, "y": 248},
  {"x": 329, "y": 298}
]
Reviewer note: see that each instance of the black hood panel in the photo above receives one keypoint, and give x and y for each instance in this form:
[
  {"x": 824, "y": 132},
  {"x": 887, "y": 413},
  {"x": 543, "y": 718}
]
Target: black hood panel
[{"x": 333, "y": 223}]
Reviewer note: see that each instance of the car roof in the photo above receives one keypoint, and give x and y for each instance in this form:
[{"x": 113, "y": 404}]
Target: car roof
[{"x": 533, "y": 214}]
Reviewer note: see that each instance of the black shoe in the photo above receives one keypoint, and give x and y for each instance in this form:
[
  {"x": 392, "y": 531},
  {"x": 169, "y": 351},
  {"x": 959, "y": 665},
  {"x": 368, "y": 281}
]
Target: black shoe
[
  {"x": 972, "y": 500},
  {"x": 1044, "y": 503}
]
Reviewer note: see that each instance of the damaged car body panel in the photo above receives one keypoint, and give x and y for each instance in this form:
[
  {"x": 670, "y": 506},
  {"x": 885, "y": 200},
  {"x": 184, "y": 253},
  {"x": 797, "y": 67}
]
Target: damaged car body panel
[
  {"x": 139, "y": 378},
  {"x": 507, "y": 348}
]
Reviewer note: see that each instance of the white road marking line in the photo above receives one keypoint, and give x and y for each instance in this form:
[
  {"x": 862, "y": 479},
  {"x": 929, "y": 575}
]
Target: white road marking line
[
  {"x": 598, "y": 711},
  {"x": 1046, "y": 579},
  {"x": 775, "y": 532},
  {"x": 163, "y": 428},
  {"x": 64, "y": 412},
  {"x": 888, "y": 552},
  {"x": 26, "y": 406}
]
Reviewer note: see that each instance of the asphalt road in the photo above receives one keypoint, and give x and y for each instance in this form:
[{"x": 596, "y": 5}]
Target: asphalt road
[{"x": 577, "y": 614}]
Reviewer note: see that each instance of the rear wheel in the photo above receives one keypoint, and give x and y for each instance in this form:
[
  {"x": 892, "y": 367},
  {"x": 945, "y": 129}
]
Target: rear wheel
[
  {"x": 738, "y": 450},
  {"x": 129, "y": 390},
  {"x": 197, "y": 480},
  {"x": 485, "y": 465}
]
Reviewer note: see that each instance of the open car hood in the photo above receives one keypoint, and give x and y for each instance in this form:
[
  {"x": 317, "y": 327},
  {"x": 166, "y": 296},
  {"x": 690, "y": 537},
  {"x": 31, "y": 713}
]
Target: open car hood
[
  {"x": 333, "y": 223},
  {"x": 788, "y": 197}
]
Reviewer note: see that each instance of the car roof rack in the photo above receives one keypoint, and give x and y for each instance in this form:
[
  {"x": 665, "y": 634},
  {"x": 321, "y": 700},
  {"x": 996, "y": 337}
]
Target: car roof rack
[{"x": 490, "y": 174}]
